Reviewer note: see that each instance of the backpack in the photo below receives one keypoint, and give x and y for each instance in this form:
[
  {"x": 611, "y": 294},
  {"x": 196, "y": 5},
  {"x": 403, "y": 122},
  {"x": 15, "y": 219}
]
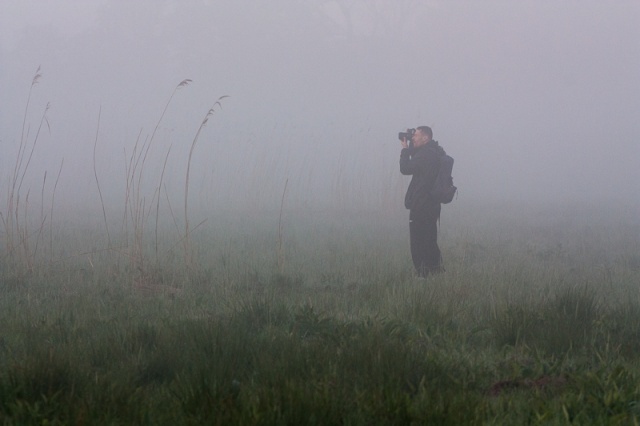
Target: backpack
[{"x": 443, "y": 189}]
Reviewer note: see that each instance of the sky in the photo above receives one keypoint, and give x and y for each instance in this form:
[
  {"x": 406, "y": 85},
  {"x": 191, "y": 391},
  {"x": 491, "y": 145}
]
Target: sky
[{"x": 537, "y": 101}]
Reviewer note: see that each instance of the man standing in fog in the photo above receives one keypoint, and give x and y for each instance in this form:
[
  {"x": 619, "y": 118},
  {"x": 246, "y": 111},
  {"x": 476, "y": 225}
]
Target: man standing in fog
[{"x": 421, "y": 160}]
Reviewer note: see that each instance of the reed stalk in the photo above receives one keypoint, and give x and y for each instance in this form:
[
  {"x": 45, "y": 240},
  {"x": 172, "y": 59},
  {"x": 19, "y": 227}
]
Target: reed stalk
[{"x": 187, "y": 244}]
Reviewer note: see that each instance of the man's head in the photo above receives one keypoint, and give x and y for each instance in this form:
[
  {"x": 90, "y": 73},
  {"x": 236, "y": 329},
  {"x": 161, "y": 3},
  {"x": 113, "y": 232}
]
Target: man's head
[{"x": 422, "y": 136}]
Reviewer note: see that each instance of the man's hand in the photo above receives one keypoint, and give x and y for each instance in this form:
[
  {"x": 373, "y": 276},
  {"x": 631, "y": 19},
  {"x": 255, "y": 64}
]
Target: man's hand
[{"x": 404, "y": 143}]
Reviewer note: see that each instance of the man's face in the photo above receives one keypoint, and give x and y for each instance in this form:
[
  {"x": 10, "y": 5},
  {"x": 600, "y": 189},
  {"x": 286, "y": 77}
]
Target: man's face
[{"x": 419, "y": 138}]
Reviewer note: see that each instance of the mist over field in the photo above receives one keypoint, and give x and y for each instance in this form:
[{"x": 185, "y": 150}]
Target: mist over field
[
  {"x": 202, "y": 217},
  {"x": 536, "y": 101}
]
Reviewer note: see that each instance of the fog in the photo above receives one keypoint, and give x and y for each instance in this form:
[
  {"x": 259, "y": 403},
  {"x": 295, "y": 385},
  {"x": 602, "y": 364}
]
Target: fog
[{"x": 537, "y": 101}]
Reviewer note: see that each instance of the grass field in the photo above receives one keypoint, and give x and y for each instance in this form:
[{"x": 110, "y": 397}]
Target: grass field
[{"x": 320, "y": 321}]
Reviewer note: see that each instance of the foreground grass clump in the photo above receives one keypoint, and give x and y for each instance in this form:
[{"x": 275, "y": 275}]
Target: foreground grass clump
[{"x": 344, "y": 335}]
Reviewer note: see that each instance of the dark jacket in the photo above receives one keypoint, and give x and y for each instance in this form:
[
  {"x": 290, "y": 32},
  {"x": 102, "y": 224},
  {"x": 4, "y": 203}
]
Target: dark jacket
[{"x": 423, "y": 164}]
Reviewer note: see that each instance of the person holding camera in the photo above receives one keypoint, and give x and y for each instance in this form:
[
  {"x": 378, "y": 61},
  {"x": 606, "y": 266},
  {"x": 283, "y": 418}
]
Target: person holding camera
[{"x": 420, "y": 158}]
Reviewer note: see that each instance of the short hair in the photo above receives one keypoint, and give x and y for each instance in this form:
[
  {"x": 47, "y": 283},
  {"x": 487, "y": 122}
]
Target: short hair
[{"x": 426, "y": 130}]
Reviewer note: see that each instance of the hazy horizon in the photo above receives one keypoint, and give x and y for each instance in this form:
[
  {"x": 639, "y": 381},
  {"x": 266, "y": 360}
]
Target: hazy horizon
[{"x": 535, "y": 100}]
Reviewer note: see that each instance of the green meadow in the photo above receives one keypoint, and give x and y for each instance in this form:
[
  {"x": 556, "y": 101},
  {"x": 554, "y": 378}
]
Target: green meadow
[{"x": 306, "y": 317}]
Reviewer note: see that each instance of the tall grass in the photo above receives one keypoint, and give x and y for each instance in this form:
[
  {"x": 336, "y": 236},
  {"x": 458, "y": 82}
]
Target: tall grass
[
  {"x": 528, "y": 324},
  {"x": 187, "y": 230},
  {"x": 140, "y": 208},
  {"x": 22, "y": 240}
]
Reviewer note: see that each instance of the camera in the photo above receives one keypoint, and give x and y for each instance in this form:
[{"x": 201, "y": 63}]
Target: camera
[{"x": 406, "y": 135}]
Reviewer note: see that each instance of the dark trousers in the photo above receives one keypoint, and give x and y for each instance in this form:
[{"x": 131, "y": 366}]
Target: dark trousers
[{"x": 423, "y": 233}]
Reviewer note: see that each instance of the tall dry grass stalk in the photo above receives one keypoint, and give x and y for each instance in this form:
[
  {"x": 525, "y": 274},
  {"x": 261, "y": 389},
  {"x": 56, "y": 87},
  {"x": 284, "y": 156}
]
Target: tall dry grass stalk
[
  {"x": 17, "y": 231},
  {"x": 164, "y": 168},
  {"x": 158, "y": 190},
  {"x": 135, "y": 202},
  {"x": 137, "y": 209},
  {"x": 95, "y": 174},
  {"x": 187, "y": 232},
  {"x": 53, "y": 195}
]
